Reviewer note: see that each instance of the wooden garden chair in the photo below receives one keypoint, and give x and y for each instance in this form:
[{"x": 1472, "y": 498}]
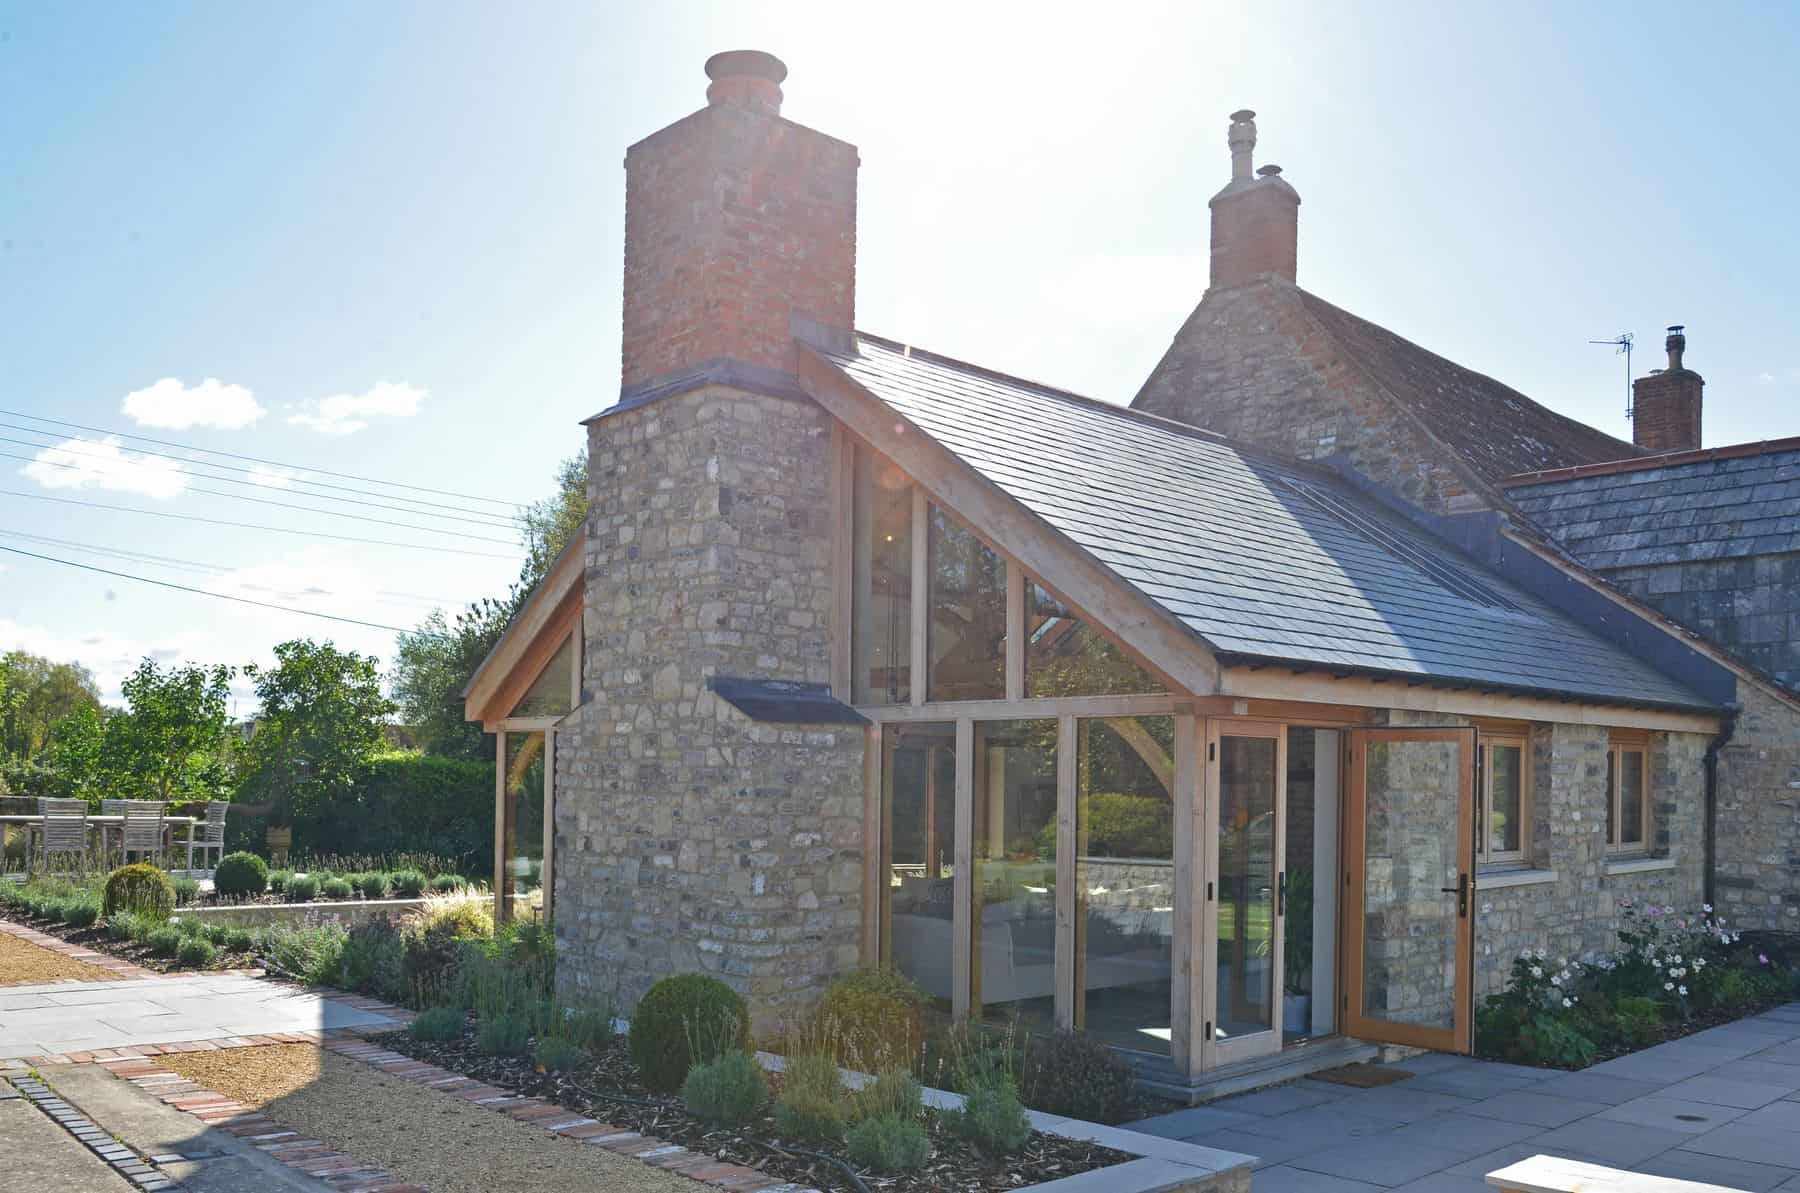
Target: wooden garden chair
[
  {"x": 209, "y": 836},
  {"x": 142, "y": 830},
  {"x": 63, "y": 829}
]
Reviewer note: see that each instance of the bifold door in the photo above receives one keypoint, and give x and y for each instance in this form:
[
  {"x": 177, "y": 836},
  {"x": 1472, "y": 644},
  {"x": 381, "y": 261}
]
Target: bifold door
[{"x": 1409, "y": 848}]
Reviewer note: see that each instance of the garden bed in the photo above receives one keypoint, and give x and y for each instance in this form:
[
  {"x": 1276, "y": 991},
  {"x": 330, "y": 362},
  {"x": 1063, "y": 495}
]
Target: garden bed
[
  {"x": 954, "y": 1165},
  {"x": 139, "y": 954}
]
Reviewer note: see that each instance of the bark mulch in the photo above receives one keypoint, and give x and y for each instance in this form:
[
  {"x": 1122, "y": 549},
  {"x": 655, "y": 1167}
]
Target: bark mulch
[{"x": 955, "y": 1166}]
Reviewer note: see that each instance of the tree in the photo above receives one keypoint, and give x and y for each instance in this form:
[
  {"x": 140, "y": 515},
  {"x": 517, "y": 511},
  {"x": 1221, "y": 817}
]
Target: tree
[
  {"x": 35, "y": 694},
  {"x": 319, "y": 724},
  {"x": 173, "y": 740},
  {"x": 432, "y": 663}
]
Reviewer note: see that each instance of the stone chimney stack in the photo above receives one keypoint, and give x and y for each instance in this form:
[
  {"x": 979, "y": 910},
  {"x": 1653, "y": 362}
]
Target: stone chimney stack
[
  {"x": 1665, "y": 406},
  {"x": 1255, "y": 219},
  {"x": 740, "y": 232}
]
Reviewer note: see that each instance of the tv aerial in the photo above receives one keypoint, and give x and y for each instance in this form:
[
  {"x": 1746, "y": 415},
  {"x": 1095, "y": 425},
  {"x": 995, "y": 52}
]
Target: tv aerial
[{"x": 1621, "y": 345}]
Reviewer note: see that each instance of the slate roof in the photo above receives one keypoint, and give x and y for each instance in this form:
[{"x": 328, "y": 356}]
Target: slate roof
[
  {"x": 1497, "y": 429},
  {"x": 1726, "y": 503},
  {"x": 1265, "y": 559}
]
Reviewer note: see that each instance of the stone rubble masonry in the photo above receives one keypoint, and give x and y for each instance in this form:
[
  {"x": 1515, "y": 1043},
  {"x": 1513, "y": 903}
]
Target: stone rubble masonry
[
  {"x": 1253, "y": 364},
  {"x": 1757, "y": 854},
  {"x": 736, "y": 221},
  {"x": 689, "y": 838}
]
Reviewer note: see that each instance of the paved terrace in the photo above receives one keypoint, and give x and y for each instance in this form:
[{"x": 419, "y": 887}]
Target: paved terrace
[
  {"x": 61, "y": 1018},
  {"x": 1720, "y": 1106}
]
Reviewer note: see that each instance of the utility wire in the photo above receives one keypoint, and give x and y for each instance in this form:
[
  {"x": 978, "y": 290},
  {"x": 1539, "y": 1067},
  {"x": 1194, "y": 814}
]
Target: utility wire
[
  {"x": 311, "y": 509},
  {"x": 88, "y": 567},
  {"x": 319, "y": 534},
  {"x": 494, "y": 521},
  {"x": 259, "y": 460}
]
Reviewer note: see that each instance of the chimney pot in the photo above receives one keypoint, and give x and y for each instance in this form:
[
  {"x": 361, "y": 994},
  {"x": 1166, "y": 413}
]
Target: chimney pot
[
  {"x": 1666, "y": 405},
  {"x": 1676, "y": 343},
  {"x": 1241, "y": 137},
  {"x": 1269, "y": 171},
  {"x": 1255, "y": 220},
  {"x": 749, "y": 79}
]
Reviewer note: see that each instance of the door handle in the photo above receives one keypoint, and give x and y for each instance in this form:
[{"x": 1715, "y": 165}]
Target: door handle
[
  {"x": 1461, "y": 891},
  {"x": 1281, "y": 893}
]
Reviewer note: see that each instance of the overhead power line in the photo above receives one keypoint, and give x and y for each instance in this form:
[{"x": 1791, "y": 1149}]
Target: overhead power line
[
  {"x": 88, "y": 567},
  {"x": 311, "y": 509},
  {"x": 473, "y": 517},
  {"x": 318, "y": 534},
  {"x": 372, "y": 480}
]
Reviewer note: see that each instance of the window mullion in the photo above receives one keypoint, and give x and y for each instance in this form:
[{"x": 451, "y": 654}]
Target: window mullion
[{"x": 921, "y": 596}]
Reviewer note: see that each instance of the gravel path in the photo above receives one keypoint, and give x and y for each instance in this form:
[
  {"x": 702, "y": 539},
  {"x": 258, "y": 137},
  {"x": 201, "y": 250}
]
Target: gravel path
[
  {"x": 253, "y": 1076},
  {"x": 420, "y": 1135},
  {"x": 22, "y": 963}
]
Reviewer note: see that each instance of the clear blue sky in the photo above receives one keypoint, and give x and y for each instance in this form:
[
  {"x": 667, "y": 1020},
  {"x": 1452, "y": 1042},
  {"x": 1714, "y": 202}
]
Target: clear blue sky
[{"x": 322, "y": 199}]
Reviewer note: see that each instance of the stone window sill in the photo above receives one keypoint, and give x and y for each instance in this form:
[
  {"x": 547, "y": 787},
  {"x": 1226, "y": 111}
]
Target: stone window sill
[
  {"x": 1492, "y": 880},
  {"x": 1638, "y": 865}
]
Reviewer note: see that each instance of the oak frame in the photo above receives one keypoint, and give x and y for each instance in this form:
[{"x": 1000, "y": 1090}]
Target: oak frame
[
  {"x": 1485, "y": 856},
  {"x": 1619, "y": 744}
]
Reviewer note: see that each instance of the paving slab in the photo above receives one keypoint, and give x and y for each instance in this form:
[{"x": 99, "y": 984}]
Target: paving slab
[
  {"x": 1444, "y": 1182},
  {"x": 1286, "y": 1179},
  {"x": 1729, "y": 1171},
  {"x": 1727, "y": 1087},
  {"x": 39, "y": 1154},
  {"x": 1468, "y": 1134},
  {"x": 1748, "y": 1141},
  {"x": 1196, "y": 1120},
  {"x": 1281, "y": 1100},
  {"x": 1590, "y": 1086},
  {"x": 1377, "y": 1161},
  {"x": 1679, "y": 1115},
  {"x": 1619, "y": 1144},
  {"x": 1536, "y": 1109}
]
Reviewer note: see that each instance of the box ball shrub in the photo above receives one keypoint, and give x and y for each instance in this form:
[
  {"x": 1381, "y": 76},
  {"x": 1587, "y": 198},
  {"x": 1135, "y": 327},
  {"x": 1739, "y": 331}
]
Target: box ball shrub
[
  {"x": 336, "y": 888},
  {"x": 873, "y": 1020},
  {"x": 557, "y": 1055},
  {"x": 140, "y": 889},
  {"x": 888, "y": 1143},
  {"x": 374, "y": 886},
  {"x": 730, "y": 1091},
  {"x": 278, "y": 880},
  {"x": 1074, "y": 1075},
  {"x": 240, "y": 874},
  {"x": 302, "y": 888},
  {"x": 685, "y": 1020},
  {"x": 196, "y": 953},
  {"x": 439, "y": 1024},
  {"x": 447, "y": 884}
]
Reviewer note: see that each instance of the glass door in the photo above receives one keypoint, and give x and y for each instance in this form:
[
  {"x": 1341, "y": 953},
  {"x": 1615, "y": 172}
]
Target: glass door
[
  {"x": 1409, "y": 842},
  {"x": 1244, "y": 896}
]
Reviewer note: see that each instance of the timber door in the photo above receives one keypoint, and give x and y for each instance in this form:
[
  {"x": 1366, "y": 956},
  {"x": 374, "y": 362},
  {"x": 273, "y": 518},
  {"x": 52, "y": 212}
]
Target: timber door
[
  {"x": 1409, "y": 852},
  {"x": 1245, "y": 901}
]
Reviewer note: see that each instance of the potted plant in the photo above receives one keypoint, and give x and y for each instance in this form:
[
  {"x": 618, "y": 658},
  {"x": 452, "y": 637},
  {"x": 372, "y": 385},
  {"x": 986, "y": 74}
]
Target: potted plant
[{"x": 1296, "y": 998}]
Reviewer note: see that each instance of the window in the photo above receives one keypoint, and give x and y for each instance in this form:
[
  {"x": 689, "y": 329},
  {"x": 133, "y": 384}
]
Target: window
[
  {"x": 919, "y": 839},
  {"x": 1628, "y": 795},
  {"x": 552, "y": 693},
  {"x": 1013, "y": 961},
  {"x": 1502, "y": 800},
  {"x": 1064, "y": 656},
  {"x": 881, "y": 642},
  {"x": 967, "y": 633}
]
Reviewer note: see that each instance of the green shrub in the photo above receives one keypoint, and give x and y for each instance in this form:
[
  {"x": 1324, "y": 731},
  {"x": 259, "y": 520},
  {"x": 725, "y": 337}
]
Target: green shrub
[
  {"x": 1551, "y": 1040},
  {"x": 374, "y": 886},
  {"x": 311, "y": 953},
  {"x": 872, "y": 1020},
  {"x": 164, "y": 941},
  {"x": 336, "y": 888},
  {"x": 196, "y": 953},
  {"x": 888, "y": 1143},
  {"x": 504, "y": 1035},
  {"x": 408, "y": 884},
  {"x": 187, "y": 890},
  {"x": 122, "y": 926},
  {"x": 439, "y": 1023},
  {"x": 589, "y": 1025},
  {"x": 80, "y": 913},
  {"x": 1638, "y": 1019},
  {"x": 557, "y": 1055},
  {"x": 278, "y": 880},
  {"x": 240, "y": 874},
  {"x": 731, "y": 1090},
  {"x": 1075, "y": 1075},
  {"x": 372, "y": 960},
  {"x": 448, "y": 884},
  {"x": 214, "y": 931},
  {"x": 141, "y": 889},
  {"x": 896, "y": 1093},
  {"x": 992, "y": 1117},
  {"x": 239, "y": 940},
  {"x": 685, "y": 1020},
  {"x": 302, "y": 888},
  {"x": 406, "y": 803},
  {"x": 432, "y": 940},
  {"x": 813, "y": 1106}
]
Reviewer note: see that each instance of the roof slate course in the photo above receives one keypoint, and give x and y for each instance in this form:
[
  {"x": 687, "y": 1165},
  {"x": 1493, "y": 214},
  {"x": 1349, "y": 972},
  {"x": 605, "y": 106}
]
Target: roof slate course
[
  {"x": 1698, "y": 509},
  {"x": 1219, "y": 536}
]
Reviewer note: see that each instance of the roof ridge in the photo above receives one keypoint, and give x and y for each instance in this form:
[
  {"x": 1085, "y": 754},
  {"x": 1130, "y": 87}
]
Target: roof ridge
[
  {"x": 1101, "y": 405},
  {"x": 1674, "y": 459}
]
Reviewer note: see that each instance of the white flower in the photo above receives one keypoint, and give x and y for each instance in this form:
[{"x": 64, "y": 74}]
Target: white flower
[
  {"x": 1537, "y": 971},
  {"x": 1668, "y": 985},
  {"x": 1683, "y": 992},
  {"x": 1567, "y": 1003},
  {"x": 1699, "y": 962},
  {"x": 1706, "y": 907},
  {"x": 1556, "y": 979}
]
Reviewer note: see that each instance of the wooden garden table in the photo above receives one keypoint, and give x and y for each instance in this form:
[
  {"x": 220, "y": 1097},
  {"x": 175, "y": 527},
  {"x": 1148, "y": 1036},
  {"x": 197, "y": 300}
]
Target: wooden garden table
[{"x": 30, "y": 823}]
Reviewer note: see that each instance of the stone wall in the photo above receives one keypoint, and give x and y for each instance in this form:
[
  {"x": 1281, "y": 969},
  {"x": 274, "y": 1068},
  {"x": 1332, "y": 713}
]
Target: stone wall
[
  {"x": 1251, "y": 363},
  {"x": 1576, "y": 913},
  {"x": 688, "y": 838},
  {"x": 1758, "y": 817}
]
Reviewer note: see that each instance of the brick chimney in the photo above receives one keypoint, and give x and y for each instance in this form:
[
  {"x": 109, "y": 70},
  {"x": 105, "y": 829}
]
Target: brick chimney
[
  {"x": 1255, "y": 219},
  {"x": 740, "y": 232},
  {"x": 1665, "y": 406}
]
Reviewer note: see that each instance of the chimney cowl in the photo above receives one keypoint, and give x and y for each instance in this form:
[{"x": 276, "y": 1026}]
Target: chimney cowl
[
  {"x": 1676, "y": 344},
  {"x": 749, "y": 79}
]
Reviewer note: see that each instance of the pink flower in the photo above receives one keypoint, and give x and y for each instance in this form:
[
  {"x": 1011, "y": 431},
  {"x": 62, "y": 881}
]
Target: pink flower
[{"x": 1762, "y": 958}]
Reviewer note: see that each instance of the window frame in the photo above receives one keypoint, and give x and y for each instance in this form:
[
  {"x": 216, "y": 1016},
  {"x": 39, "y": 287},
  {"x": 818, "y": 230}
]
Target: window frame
[
  {"x": 1485, "y": 856},
  {"x": 1618, "y": 745}
]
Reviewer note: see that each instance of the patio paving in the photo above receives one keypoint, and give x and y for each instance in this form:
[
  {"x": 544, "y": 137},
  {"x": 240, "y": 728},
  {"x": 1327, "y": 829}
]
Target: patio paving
[
  {"x": 64, "y": 1017},
  {"x": 1720, "y": 1106}
]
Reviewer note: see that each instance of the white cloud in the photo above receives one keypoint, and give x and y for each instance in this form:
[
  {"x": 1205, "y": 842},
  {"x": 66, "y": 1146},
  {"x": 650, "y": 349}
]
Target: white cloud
[
  {"x": 346, "y": 414},
  {"x": 275, "y": 478},
  {"x": 109, "y": 654},
  {"x": 176, "y": 407},
  {"x": 103, "y": 464}
]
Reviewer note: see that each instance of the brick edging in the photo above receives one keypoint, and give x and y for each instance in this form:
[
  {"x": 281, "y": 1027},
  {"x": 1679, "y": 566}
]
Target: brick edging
[
  {"x": 101, "y": 959},
  {"x": 140, "y": 1168},
  {"x": 557, "y": 1120}
]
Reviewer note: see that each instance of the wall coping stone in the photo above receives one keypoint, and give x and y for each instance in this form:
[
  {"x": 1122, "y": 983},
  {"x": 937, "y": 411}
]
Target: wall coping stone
[{"x": 1493, "y": 880}]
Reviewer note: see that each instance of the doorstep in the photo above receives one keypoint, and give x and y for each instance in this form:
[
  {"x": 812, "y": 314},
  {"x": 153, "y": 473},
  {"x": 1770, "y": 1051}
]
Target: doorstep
[{"x": 1158, "y": 1075}]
